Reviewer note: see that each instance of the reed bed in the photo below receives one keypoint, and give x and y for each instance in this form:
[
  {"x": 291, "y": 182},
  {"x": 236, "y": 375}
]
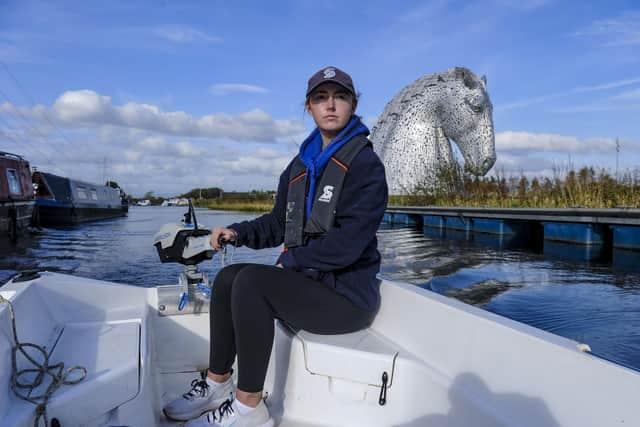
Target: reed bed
[
  {"x": 230, "y": 205},
  {"x": 587, "y": 187},
  {"x": 253, "y": 201}
]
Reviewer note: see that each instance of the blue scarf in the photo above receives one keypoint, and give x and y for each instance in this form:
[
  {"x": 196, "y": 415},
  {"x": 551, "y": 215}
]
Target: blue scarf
[{"x": 315, "y": 159}]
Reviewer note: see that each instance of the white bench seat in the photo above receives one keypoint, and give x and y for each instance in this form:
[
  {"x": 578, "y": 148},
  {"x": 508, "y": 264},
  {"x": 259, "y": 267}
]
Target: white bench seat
[{"x": 360, "y": 357}]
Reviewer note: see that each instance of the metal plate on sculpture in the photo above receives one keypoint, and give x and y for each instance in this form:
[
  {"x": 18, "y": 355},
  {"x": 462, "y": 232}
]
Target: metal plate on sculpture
[{"x": 169, "y": 301}]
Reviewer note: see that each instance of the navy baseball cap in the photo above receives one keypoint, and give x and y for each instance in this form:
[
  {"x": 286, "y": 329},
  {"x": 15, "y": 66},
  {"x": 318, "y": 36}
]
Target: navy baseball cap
[{"x": 331, "y": 74}]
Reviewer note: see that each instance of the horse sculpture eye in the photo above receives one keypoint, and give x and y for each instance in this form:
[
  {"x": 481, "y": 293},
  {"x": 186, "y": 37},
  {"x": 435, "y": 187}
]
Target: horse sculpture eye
[{"x": 476, "y": 103}]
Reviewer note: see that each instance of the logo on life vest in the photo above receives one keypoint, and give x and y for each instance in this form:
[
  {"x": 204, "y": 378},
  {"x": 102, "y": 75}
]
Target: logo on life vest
[
  {"x": 289, "y": 212},
  {"x": 327, "y": 193},
  {"x": 329, "y": 72}
]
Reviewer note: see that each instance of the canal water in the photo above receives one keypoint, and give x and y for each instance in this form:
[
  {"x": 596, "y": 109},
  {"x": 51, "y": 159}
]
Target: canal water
[{"x": 597, "y": 303}]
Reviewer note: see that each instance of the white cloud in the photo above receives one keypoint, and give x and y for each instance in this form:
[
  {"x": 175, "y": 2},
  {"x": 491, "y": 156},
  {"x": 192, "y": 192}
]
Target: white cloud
[
  {"x": 187, "y": 149},
  {"x": 145, "y": 148},
  {"x": 160, "y": 147},
  {"x": 607, "y": 86},
  {"x": 529, "y": 165},
  {"x": 83, "y": 106},
  {"x": 422, "y": 13},
  {"x": 524, "y": 4},
  {"x": 87, "y": 108},
  {"x": 226, "y": 88},
  {"x": 267, "y": 153},
  {"x": 515, "y": 142},
  {"x": 263, "y": 162},
  {"x": 630, "y": 95},
  {"x": 183, "y": 34},
  {"x": 9, "y": 52},
  {"x": 623, "y": 30},
  {"x": 252, "y": 165},
  {"x": 596, "y": 107},
  {"x": 578, "y": 90},
  {"x": 20, "y": 113}
]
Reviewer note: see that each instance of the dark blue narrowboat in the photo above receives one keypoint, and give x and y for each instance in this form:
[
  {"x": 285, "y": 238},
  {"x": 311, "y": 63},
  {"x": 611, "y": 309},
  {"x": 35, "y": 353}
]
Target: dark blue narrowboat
[{"x": 65, "y": 201}]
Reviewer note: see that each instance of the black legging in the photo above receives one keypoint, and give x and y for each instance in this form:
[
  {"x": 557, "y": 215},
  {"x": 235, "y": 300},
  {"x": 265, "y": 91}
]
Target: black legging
[{"x": 246, "y": 300}]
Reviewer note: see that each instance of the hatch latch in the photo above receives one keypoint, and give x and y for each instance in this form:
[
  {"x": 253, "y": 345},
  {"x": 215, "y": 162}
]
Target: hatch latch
[{"x": 383, "y": 392}]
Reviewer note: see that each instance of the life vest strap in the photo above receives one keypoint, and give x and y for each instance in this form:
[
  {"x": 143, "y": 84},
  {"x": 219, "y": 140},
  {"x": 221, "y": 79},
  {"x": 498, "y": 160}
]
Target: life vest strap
[{"x": 342, "y": 165}]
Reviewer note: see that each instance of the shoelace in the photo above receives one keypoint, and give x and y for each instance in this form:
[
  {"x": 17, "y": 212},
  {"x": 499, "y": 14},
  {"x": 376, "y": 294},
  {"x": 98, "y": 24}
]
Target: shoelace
[
  {"x": 224, "y": 409},
  {"x": 198, "y": 388}
]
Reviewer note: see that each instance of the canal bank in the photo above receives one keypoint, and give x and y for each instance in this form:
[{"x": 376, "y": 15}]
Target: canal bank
[{"x": 579, "y": 234}]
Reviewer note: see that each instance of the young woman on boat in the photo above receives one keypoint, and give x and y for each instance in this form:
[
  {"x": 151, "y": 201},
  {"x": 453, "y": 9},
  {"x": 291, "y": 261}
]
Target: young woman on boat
[{"x": 330, "y": 201}]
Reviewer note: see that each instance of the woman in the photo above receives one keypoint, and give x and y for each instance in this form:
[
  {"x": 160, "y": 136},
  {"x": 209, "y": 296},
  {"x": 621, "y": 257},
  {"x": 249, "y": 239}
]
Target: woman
[{"x": 324, "y": 280}]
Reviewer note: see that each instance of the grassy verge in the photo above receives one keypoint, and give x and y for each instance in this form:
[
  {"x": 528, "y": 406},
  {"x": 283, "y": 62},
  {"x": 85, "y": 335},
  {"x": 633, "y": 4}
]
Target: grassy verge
[{"x": 235, "y": 205}]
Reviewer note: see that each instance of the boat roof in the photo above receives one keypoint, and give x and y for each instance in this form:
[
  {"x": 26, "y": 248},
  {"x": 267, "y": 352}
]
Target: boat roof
[
  {"x": 72, "y": 180},
  {"x": 12, "y": 155}
]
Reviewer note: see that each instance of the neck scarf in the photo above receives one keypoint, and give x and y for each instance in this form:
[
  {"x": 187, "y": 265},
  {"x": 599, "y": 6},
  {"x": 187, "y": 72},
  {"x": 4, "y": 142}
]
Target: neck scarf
[{"x": 315, "y": 159}]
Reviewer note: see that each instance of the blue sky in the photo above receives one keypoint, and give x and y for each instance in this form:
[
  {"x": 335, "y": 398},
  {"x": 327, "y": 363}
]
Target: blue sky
[{"x": 169, "y": 96}]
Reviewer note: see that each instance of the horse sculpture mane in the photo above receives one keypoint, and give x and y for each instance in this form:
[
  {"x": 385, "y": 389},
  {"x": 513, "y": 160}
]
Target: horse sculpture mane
[{"x": 412, "y": 134}]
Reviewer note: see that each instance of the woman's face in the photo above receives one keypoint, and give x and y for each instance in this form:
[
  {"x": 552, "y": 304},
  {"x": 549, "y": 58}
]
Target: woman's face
[{"x": 331, "y": 107}]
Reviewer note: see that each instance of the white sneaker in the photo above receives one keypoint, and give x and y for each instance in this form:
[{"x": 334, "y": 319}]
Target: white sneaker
[
  {"x": 200, "y": 399},
  {"x": 228, "y": 415}
]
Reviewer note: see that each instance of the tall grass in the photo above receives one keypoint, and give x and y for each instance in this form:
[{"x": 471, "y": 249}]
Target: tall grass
[
  {"x": 587, "y": 187},
  {"x": 254, "y": 201},
  {"x": 230, "y": 205}
]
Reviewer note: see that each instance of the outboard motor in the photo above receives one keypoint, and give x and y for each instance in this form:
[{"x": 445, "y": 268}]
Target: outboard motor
[
  {"x": 184, "y": 243},
  {"x": 187, "y": 244}
]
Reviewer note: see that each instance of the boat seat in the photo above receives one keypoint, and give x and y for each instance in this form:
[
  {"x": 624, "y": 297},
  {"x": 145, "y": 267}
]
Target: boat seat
[
  {"x": 361, "y": 357},
  {"x": 112, "y": 376}
]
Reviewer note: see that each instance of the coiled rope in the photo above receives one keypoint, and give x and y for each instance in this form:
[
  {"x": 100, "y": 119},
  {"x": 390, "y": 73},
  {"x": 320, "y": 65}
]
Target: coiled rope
[{"x": 58, "y": 377}]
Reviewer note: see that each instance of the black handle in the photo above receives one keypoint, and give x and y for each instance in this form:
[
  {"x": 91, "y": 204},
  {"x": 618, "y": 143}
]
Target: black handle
[{"x": 383, "y": 392}]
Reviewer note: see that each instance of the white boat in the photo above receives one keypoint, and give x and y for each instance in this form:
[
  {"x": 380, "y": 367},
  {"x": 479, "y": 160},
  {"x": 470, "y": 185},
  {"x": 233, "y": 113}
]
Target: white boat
[
  {"x": 176, "y": 202},
  {"x": 446, "y": 363}
]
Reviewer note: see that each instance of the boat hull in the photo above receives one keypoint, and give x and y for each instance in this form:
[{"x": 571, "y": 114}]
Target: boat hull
[
  {"x": 15, "y": 218},
  {"x": 60, "y": 215}
]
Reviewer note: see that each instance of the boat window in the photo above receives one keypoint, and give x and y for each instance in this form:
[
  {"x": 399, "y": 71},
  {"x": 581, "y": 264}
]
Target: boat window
[
  {"x": 14, "y": 181},
  {"x": 94, "y": 194},
  {"x": 82, "y": 193}
]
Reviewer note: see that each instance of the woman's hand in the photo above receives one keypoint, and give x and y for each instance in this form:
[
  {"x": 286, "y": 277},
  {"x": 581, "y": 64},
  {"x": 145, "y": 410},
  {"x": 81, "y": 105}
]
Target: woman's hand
[{"x": 221, "y": 233}]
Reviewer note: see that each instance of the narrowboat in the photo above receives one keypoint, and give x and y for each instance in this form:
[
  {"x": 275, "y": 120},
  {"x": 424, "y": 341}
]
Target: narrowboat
[
  {"x": 65, "y": 201},
  {"x": 16, "y": 195}
]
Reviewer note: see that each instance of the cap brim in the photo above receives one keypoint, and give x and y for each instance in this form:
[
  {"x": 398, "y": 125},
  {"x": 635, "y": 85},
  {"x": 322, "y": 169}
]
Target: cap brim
[{"x": 350, "y": 90}]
